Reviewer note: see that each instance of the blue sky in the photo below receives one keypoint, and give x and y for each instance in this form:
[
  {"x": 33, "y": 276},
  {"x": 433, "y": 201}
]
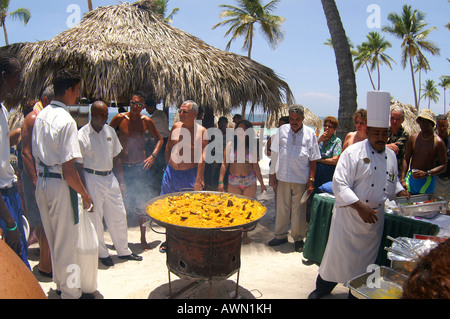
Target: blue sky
[{"x": 301, "y": 59}]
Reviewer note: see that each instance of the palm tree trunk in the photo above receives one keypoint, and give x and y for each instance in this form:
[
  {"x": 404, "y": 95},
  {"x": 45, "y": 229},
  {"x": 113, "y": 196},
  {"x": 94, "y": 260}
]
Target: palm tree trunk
[
  {"x": 370, "y": 76},
  {"x": 250, "y": 47},
  {"x": 414, "y": 83},
  {"x": 379, "y": 75},
  {"x": 344, "y": 62},
  {"x": 445, "y": 102},
  {"x": 5, "y": 33}
]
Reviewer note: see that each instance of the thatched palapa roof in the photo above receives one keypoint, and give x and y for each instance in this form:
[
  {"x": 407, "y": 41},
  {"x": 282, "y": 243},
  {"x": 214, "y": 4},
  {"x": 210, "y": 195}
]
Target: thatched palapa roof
[{"x": 122, "y": 48}]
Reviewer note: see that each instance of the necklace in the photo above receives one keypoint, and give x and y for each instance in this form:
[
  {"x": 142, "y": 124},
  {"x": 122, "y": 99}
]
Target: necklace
[{"x": 426, "y": 139}]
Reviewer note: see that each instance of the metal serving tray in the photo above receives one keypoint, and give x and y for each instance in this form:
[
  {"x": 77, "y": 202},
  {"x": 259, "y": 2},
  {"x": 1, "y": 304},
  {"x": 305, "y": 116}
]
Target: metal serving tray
[
  {"x": 390, "y": 285},
  {"x": 415, "y": 206}
]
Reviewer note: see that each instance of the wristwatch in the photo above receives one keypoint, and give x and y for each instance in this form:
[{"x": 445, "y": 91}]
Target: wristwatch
[{"x": 428, "y": 173}]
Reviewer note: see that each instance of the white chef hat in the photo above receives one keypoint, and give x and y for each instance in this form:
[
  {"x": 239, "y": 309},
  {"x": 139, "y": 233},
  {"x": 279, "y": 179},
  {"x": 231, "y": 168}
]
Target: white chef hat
[{"x": 378, "y": 109}]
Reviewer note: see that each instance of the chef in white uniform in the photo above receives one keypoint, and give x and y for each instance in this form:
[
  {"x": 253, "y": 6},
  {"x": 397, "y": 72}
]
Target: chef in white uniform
[
  {"x": 365, "y": 177},
  {"x": 100, "y": 146}
]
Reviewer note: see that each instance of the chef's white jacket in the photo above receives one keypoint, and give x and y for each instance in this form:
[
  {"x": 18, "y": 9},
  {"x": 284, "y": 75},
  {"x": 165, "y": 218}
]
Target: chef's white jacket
[{"x": 371, "y": 177}]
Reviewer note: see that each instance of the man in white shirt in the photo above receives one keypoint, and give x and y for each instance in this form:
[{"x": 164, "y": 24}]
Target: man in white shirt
[
  {"x": 100, "y": 148},
  {"x": 56, "y": 149},
  {"x": 294, "y": 154},
  {"x": 366, "y": 175},
  {"x": 10, "y": 203}
]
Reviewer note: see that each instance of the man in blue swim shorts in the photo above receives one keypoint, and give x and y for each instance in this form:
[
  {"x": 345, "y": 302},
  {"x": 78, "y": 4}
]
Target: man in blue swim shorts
[
  {"x": 184, "y": 154},
  {"x": 426, "y": 156}
]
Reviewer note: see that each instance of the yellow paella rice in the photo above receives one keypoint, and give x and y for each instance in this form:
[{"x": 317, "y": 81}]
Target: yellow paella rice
[{"x": 206, "y": 210}]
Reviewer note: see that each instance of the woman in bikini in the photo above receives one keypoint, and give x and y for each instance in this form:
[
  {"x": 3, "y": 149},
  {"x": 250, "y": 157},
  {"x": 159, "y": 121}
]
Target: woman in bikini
[{"x": 244, "y": 168}]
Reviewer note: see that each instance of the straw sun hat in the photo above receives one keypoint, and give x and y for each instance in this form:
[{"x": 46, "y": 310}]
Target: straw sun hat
[{"x": 428, "y": 115}]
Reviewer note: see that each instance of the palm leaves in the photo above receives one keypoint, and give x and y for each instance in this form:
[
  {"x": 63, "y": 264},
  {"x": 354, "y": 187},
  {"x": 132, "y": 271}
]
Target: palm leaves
[
  {"x": 372, "y": 53},
  {"x": 22, "y": 14},
  {"x": 242, "y": 20},
  {"x": 411, "y": 29},
  {"x": 430, "y": 92}
]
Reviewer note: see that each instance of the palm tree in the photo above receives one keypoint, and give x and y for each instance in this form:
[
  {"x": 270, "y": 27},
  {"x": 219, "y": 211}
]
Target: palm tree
[
  {"x": 162, "y": 10},
  {"x": 242, "y": 20},
  {"x": 22, "y": 14},
  {"x": 430, "y": 92},
  {"x": 362, "y": 58},
  {"x": 344, "y": 62},
  {"x": 421, "y": 65},
  {"x": 374, "y": 48},
  {"x": 445, "y": 84},
  {"x": 410, "y": 28}
]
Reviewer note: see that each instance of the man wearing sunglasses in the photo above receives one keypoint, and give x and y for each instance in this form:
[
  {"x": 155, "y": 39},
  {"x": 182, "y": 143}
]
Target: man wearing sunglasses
[{"x": 132, "y": 126}]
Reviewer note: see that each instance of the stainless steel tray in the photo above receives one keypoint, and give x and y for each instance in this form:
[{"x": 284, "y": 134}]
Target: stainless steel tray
[
  {"x": 390, "y": 285},
  {"x": 415, "y": 206}
]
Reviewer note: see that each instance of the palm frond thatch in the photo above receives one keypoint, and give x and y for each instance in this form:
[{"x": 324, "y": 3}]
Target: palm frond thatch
[
  {"x": 410, "y": 125},
  {"x": 123, "y": 48}
]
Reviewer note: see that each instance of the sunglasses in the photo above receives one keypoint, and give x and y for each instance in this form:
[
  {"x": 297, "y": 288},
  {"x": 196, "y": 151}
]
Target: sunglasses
[
  {"x": 134, "y": 103},
  {"x": 184, "y": 112}
]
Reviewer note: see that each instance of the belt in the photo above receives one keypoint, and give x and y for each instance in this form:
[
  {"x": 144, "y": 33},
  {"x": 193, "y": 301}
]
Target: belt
[
  {"x": 8, "y": 190},
  {"x": 49, "y": 175},
  {"x": 100, "y": 173}
]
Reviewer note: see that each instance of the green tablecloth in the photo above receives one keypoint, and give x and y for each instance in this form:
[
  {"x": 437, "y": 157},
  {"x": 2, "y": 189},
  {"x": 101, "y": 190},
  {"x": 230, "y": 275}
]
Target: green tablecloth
[{"x": 394, "y": 226}]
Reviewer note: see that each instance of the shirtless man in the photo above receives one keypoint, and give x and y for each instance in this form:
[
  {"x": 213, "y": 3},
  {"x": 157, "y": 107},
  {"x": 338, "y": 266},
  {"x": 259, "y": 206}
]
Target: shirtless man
[
  {"x": 186, "y": 165},
  {"x": 132, "y": 125},
  {"x": 29, "y": 178},
  {"x": 423, "y": 151}
]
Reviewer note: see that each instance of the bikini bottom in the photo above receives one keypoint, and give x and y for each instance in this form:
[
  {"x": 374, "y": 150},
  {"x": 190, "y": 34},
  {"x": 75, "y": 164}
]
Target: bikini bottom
[{"x": 242, "y": 182}]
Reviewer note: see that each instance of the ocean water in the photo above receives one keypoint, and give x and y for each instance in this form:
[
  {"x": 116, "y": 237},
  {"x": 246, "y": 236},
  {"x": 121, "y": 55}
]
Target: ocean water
[{"x": 251, "y": 117}]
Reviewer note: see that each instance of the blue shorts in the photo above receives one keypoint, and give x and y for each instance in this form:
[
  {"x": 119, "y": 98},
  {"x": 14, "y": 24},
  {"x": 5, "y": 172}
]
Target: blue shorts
[
  {"x": 176, "y": 181},
  {"x": 14, "y": 205},
  {"x": 420, "y": 186}
]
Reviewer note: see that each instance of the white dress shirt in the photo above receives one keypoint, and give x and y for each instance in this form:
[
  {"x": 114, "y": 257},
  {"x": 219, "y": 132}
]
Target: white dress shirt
[
  {"x": 98, "y": 149},
  {"x": 294, "y": 151},
  {"x": 7, "y": 176},
  {"x": 55, "y": 142}
]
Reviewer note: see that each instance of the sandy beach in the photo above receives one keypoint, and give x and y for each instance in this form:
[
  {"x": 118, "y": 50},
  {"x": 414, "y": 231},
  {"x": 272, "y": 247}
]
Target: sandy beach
[{"x": 265, "y": 272}]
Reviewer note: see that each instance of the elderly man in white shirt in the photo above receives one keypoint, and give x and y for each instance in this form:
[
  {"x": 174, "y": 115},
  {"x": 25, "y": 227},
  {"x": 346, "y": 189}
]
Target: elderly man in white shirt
[
  {"x": 100, "y": 147},
  {"x": 294, "y": 154},
  {"x": 55, "y": 148}
]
